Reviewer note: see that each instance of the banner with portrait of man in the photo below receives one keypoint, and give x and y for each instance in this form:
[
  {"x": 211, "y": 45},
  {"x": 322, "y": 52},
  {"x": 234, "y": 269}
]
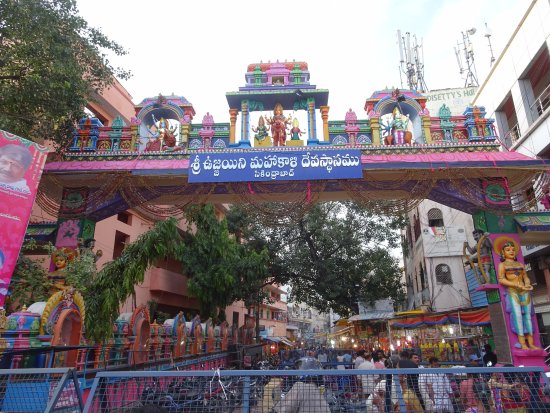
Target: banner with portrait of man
[{"x": 21, "y": 165}]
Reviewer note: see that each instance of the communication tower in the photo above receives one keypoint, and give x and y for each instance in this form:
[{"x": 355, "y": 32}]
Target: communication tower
[
  {"x": 467, "y": 67},
  {"x": 411, "y": 62}
]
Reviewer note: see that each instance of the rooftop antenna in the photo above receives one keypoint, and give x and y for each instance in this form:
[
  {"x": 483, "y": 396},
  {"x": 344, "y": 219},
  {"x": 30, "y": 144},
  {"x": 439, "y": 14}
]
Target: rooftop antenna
[
  {"x": 488, "y": 34},
  {"x": 411, "y": 61},
  {"x": 468, "y": 66}
]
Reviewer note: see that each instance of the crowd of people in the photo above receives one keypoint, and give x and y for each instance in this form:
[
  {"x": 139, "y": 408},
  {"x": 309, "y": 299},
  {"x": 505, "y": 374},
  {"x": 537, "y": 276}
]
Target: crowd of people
[{"x": 425, "y": 391}]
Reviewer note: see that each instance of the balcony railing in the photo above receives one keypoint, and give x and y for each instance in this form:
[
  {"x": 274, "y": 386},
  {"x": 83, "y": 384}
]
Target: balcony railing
[
  {"x": 542, "y": 103},
  {"x": 513, "y": 135}
]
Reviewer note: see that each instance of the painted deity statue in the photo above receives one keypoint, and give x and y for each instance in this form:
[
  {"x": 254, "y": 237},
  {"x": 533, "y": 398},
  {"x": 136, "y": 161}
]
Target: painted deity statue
[
  {"x": 60, "y": 258},
  {"x": 162, "y": 136},
  {"x": 399, "y": 125},
  {"x": 262, "y": 131},
  {"x": 513, "y": 276},
  {"x": 480, "y": 254},
  {"x": 278, "y": 125},
  {"x": 295, "y": 132}
]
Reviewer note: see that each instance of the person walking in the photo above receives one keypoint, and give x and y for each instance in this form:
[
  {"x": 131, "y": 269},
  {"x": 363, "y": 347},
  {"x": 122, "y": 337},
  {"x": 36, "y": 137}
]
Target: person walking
[
  {"x": 368, "y": 381},
  {"x": 439, "y": 389}
]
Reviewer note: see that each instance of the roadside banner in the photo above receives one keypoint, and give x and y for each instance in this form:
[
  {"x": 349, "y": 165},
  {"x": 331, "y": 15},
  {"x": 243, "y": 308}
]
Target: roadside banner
[{"x": 21, "y": 165}]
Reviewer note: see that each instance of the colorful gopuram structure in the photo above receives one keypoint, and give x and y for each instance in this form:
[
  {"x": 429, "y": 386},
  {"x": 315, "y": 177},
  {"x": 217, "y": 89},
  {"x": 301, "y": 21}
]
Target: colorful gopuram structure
[{"x": 390, "y": 157}]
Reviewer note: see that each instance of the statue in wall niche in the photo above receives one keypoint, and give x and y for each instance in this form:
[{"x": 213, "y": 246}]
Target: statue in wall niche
[
  {"x": 399, "y": 128},
  {"x": 512, "y": 275},
  {"x": 162, "y": 135},
  {"x": 279, "y": 124},
  {"x": 262, "y": 131}
]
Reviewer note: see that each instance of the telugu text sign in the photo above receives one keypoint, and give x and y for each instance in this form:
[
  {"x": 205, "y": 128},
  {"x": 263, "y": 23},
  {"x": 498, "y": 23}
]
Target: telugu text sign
[{"x": 275, "y": 166}]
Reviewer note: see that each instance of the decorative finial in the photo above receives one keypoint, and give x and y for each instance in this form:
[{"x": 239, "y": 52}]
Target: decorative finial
[{"x": 24, "y": 308}]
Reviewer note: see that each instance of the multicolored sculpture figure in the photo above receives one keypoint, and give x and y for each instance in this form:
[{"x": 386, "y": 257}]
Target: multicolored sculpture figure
[
  {"x": 60, "y": 258},
  {"x": 480, "y": 256},
  {"x": 278, "y": 125},
  {"x": 399, "y": 126},
  {"x": 162, "y": 136},
  {"x": 513, "y": 276},
  {"x": 295, "y": 132},
  {"x": 262, "y": 131}
]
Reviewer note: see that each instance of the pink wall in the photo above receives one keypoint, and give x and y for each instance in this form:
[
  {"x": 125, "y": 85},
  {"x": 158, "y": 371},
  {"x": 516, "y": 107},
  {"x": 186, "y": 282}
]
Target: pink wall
[{"x": 112, "y": 102}]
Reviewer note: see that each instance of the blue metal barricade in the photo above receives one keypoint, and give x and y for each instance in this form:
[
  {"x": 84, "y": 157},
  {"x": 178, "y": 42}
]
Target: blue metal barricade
[
  {"x": 40, "y": 390},
  {"x": 452, "y": 390}
]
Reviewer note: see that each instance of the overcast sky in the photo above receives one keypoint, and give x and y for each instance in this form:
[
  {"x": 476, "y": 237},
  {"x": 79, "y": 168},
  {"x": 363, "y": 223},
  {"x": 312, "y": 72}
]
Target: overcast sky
[{"x": 201, "y": 48}]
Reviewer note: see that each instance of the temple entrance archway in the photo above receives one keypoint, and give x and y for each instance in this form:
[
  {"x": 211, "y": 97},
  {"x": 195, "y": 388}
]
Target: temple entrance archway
[{"x": 454, "y": 159}]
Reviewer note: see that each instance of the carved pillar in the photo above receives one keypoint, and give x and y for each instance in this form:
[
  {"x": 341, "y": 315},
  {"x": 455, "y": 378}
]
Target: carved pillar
[
  {"x": 375, "y": 127},
  {"x": 74, "y": 230},
  {"x": 426, "y": 123},
  {"x": 312, "y": 127},
  {"x": 134, "y": 127},
  {"x": 232, "y": 126},
  {"x": 324, "y": 115},
  {"x": 244, "y": 121}
]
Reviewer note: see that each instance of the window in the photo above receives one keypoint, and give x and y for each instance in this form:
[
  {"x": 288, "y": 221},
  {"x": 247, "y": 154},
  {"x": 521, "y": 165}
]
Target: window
[
  {"x": 236, "y": 318},
  {"x": 416, "y": 226},
  {"x": 443, "y": 274},
  {"x": 121, "y": 240},
  {"x": 278, "y": 80},
  {"x": 435, "y": 218},
  {"x": 125, "y": 217}
]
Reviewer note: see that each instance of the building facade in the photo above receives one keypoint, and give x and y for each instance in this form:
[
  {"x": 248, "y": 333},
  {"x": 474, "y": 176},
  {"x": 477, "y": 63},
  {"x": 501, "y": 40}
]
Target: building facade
[{"x": 308, "y": 326}]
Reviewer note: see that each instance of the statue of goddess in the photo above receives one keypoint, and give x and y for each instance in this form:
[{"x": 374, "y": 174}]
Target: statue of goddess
[
  {"x": 278, "y": 125},
  {"x": 261, "y": 132},
  {"x": 163, "y": 136},
  {"x": 399, "y": 126},
  {"x": 295, "y": 132},
  {"x": 512, "y": 275}
]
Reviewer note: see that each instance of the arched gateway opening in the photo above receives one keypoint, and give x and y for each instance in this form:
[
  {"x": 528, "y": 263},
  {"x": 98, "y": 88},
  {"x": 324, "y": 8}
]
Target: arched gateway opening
[{"x": 391, "y": 160}]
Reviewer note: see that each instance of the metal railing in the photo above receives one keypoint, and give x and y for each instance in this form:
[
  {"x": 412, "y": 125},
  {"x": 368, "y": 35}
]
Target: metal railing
[
  {"x": 512, "y": 136},
  {"x": 541, "y": 103},
  {"x": 40, "y": 390},
  {"x": 451, "y": 390},
  {"x": 90, "y": 359}
]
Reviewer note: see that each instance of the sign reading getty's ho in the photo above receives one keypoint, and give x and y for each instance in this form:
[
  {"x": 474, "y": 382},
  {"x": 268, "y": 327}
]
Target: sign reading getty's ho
[{"x": 275, "y": 166}]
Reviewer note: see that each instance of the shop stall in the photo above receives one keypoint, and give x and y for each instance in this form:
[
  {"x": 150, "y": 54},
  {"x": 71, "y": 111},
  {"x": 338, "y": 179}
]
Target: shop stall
[{"x": 456, "y": 336}]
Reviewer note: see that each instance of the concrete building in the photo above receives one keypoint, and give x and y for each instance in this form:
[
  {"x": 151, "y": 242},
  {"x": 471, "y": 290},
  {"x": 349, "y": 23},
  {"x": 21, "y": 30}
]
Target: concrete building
[
  {"x": 307, "y": 325},
  {"x": 432, "y": 250},
  {"x": 273, "y": 313},
  {"x": 517, "y": 94}
]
